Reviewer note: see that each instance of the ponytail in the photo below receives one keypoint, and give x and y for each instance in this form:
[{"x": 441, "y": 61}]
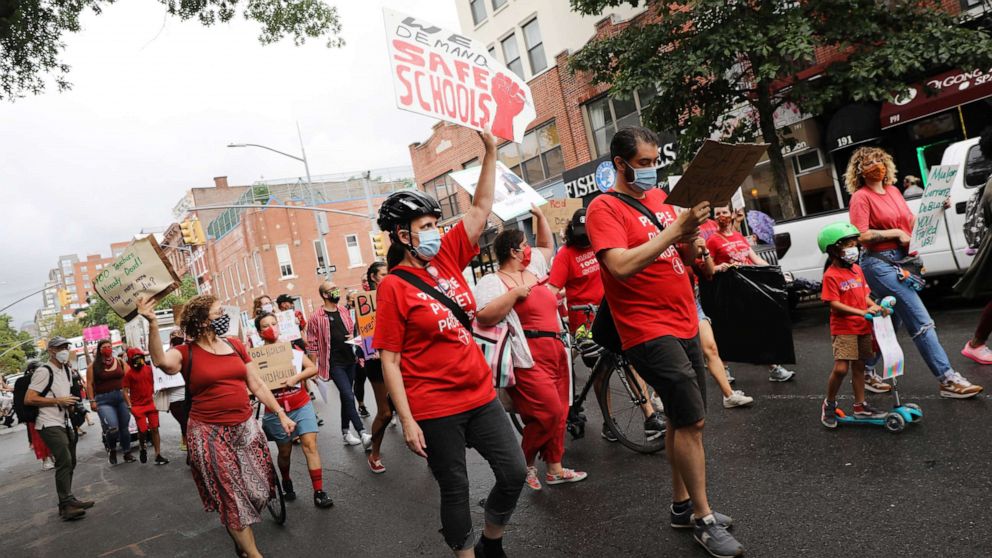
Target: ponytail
[{"x": 395, "y": 255}]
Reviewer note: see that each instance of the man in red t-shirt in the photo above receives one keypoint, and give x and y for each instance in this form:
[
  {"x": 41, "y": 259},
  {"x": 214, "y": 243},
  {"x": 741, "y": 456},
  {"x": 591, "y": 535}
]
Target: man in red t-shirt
[
  {"x": 652, "y": 304},
  {"x": 576, "y": 269},
  {"x": 139, "y": 388}
]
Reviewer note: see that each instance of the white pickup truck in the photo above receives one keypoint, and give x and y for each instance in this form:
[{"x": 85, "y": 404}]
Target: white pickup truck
[{"x": 795, "y": 240}]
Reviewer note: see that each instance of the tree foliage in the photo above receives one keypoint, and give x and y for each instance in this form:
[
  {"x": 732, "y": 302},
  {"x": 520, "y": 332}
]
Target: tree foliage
[
  {"x": 709, "y": 58},
  {"x": 180, "y": 296},
  {"x": 100, "y": 313},
  {"x": 32, "y": 32},
  {"x": 15, "y": 346}
]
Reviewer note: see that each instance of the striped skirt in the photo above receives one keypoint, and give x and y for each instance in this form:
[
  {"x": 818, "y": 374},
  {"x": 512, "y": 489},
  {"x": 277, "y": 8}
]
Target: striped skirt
[{"x": 232, "y": 470}]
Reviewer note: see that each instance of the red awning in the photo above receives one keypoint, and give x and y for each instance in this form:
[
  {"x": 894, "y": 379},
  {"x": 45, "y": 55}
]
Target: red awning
[{"x": 953, "y": 88}]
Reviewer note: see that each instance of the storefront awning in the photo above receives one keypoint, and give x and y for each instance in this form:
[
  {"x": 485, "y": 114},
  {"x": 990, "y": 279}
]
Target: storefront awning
[
  {"x": 852, "y": 125},
  {"x": 952, "y": 88}
]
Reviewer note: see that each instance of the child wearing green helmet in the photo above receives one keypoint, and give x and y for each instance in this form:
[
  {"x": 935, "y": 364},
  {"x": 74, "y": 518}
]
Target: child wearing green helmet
[{"x": 846, "y": 291}]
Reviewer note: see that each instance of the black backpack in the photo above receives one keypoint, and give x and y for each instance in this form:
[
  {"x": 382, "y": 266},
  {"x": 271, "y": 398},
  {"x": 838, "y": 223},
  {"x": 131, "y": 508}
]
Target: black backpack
[
  {"x": 975, "y": 227},
  {"x": 29, "y": 413}
]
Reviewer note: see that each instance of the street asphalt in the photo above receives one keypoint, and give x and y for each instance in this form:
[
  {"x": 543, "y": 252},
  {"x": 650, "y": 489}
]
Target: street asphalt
[{"x": 793, "y": 487}]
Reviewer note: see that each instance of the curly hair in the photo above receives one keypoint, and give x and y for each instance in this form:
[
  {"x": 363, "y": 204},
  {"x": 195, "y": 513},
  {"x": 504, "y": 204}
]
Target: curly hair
[
  {"x": 196, "y": 311},
  {"x": 256, "y": 305},
  {"x": 852, "y": 177}
]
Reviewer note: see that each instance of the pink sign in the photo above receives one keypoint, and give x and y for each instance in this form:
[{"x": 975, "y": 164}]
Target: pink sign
[{"x": 96, "y": 333}]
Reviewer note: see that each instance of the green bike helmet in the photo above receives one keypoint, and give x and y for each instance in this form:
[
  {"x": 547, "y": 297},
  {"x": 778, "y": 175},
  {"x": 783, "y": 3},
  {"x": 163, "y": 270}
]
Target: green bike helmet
[{"x": 834, "y": 233}]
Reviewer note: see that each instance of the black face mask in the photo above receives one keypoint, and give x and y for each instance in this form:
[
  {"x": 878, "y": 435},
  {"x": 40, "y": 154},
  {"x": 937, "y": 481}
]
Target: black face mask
[{"x": 582, "y": 240}]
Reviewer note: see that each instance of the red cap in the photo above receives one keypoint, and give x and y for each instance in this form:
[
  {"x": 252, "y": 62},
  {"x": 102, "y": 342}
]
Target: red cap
[{"x": 133, "y": 352}]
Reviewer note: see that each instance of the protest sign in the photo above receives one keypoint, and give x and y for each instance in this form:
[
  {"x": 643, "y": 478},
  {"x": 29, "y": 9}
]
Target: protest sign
[
  {"x": 931, "y": 208},
  {"x": 448, "y": 76},
  {"x": 716, "y": 172},
  {"x": 365, "y": 319},
  {"x": 275, "y": 363},
  {"x": 166, "y": 381},
  {"x": 96, "y": 333},
  {"x": 737, "y": 202},
  {"x": 141, "y": 269},
  {"x": 885, "y": 336},
  {"x": 234, "y": 313},
  {"x": 289, "y": 330},
  {"x": 513, "y": 196},
  {"x": 559, "y": 212}
]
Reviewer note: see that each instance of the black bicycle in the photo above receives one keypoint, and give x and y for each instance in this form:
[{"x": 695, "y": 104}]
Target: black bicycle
[
  {"x": 277, "y": 504},
  {"x": 622, "y": 395}
]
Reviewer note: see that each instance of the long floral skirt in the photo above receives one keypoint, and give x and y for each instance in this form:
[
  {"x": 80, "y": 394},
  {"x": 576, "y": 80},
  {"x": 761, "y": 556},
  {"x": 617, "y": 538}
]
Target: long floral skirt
[{"x": 232, "y": 470}]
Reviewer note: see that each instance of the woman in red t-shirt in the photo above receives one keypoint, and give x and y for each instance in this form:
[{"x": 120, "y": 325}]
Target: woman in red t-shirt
[
  {"x": 576, "y": 270},
  {"x": 886, "y": 223},
  {"x": 228, "y": 452},
  {"x": 437, "y": 377}
]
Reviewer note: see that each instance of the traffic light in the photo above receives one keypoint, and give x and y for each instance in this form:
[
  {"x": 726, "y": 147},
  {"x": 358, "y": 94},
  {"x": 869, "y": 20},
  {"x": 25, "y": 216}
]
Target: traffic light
[
  {"x": 379, "y": 244},
  {"x": 193, "y": 232},
  {"x": 64, "y": 299},
  {"x": 201, "y": 238}
]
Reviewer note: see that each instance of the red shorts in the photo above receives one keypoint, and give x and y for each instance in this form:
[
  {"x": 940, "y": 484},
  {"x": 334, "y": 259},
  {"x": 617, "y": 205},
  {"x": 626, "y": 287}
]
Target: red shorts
[{"x": 145, "y": 416}]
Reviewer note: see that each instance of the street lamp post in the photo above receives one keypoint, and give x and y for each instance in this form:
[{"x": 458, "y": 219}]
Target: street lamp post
[{"x": 302, "y": 159}]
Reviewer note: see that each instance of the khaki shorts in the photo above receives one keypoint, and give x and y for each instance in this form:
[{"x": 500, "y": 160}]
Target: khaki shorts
[{"x": 853, "y": 347}]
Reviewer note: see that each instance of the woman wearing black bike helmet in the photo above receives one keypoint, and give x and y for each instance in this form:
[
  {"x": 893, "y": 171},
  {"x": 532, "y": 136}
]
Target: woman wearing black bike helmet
[{"x": 437, "y": 377}]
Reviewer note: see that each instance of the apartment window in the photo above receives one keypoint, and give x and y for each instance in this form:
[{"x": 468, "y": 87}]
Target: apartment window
[
  {"x": 285, "y": 262},
  {"x": 247, "y": 272},
  {"x": 535, "y": 47},
  {"x": 241, "y": 283},
  {"x": 446, "y": 195},
  {"x": 607, "y": 115},
  {"x": 511, "y": 55},
  {"x": 354, "y": 250},
  {"x": 230, "y": 277},
  {"x": 497, "y": 4},
  {"x": 478, "y": 9},
  {"x": 537, "y": 158},
  {"x": 492, "y": 51},
  {"x": 99, "y": 267},
  {"x": 86, "y": 277},
  {"x": 258, "y": 269}
]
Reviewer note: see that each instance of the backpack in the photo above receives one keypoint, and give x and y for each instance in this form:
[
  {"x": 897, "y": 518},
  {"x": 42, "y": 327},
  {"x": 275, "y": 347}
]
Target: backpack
[
  {"x": 29, "y": 413},
  {"x": 975, "y": 227}
]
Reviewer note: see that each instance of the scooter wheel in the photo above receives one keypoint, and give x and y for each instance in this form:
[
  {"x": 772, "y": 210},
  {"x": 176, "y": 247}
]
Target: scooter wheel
[{"x": 894, "y": 422}]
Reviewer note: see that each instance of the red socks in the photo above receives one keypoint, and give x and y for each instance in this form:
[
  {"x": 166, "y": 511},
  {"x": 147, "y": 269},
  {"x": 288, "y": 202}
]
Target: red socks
[{"x": 317, "y": 478}]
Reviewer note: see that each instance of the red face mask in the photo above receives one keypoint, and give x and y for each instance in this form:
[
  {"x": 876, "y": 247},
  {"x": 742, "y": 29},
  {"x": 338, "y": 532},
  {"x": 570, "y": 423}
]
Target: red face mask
[
  {"x": 270, "y": 334},
  {"x": 107, "y": 351},
  {"x": 724, "y": 220},
  {"x": 527, "y": 254},
  {"x": 874, "y": 172}
]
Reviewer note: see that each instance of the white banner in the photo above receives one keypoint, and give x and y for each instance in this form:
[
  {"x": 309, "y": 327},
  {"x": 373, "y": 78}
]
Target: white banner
[
  {"x": 885, "y": 336},
  {"x": 513, "y": 196}
]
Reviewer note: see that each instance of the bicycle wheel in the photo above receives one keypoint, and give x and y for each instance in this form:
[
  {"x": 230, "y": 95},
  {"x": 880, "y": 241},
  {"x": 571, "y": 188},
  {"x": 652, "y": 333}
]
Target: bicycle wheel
[
  {"x": 277, "y": 505},
  {"x": 620, "y": 402}
]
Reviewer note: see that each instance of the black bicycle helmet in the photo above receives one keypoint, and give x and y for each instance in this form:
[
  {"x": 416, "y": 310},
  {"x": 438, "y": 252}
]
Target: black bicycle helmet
[{"x": 404, "y": 206}]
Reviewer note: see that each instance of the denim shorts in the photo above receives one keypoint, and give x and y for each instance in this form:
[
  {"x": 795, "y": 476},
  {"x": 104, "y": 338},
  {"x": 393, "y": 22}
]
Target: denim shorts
[{"x": 304, "y": 417}]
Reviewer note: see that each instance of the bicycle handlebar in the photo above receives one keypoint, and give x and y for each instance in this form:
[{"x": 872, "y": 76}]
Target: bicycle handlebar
[{"x": 588, "y": 308}]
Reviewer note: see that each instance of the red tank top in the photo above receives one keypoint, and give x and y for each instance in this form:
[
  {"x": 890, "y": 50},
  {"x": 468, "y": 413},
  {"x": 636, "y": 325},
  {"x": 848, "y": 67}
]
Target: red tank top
[
  {"x": 108, "y": 380},
  {"x": 539, "y": 311}
]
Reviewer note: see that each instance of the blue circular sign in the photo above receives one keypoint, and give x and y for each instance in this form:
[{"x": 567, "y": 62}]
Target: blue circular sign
[{"x": 606, "y": 175}]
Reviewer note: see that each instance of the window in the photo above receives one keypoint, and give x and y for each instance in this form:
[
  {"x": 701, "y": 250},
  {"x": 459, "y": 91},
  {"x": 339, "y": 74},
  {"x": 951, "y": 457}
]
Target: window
[
  {"x": 492, "y": 51},
  {"x": 321, "y": 250},
  {"x": 258, "y": 269},
  {"x": 247, "y": 272},
  {"x": 511, "y": 55},
  {"x": 99, "y": 267},
  {"x": 446, "y": 195},
  {"x": 606, "y": 115},
  {"x": 806, "y": 162},
  {"x": 497, "y": 4},
  {"x": 241, "y": 283},
  {"x": 285, "y": 262},
  {"x": 976, "y": 168},
  {"x": 478, "y": 9},
  {"x": 535, "y": 47},
  {"x": 537, "y": 158},
  {"x": 230, "y": 277},
  {"x": 354, "y": 250}
]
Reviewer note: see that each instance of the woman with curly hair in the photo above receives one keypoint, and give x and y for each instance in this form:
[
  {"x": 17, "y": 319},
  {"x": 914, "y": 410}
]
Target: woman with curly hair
[
  {"x": 879, "y": 211},
  {"x": 227, "y": 449}
]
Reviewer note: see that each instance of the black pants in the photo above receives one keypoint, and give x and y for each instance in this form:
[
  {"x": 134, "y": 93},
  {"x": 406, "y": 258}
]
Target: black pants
[
  {"x": 178, "y": 410},
  {"x": 675, "y": 369},
  {"x": 359, "y": 385},
  {"x": 61, "y": 442},
  {"x": 487, "y": 429}
]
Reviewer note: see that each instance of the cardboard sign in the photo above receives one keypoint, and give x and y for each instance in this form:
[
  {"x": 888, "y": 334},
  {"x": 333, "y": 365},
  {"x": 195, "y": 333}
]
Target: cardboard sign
[
  {"x": 885, "y": 336},
  {"x": 166, "y": 381},
  {"x": 289, "y": 330},
  {"x": 141, "y": 269},
  {"x": 559, "y": 212},
  {"x": 513, "y": 196},
  {"x": 275, "y": 363},
  {"x": 96, "y": 333},
  {"x": 931, "y": 209},
  {"x": 365, "y": 319},
  {"x": 716, "y": 172},
  {"x": 448, "y": 76}
]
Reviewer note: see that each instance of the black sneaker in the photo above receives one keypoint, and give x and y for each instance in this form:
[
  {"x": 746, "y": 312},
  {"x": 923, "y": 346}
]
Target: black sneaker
[
  {"x": 112, "y": 456},
  {"x": 159, "y": 460},
  {"x": 683, "y": 520},
  {"x": 608, "y": 434},
  {"x": 715, "y": 538},
  {"x": 654, "y": 427},
  {"x": 322, "y": 500},
  {"x": 128, "y": 458},
  {"x": 143, "y": 455},
  {"x": 828, "y": 414},
  {"x": 287, "y": 490},
  {"x": 363, "y": 411},
  {"x": 489, "y": 548},
  {"x": 320, "y": 421}
]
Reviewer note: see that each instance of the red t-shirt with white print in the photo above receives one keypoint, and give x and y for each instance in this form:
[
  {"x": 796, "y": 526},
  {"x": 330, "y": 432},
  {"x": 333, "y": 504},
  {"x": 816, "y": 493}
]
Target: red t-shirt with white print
[
  {"x": 729, "y": 248},
  {"x": 444, "y": 371},
  {"x": 658, "y": 300},
  {"x": 577, "y": 271},
  {"x": 847, "y": 286}
]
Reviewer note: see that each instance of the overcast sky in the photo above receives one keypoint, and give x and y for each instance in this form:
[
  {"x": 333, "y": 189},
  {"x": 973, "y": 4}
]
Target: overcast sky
[{"x": 154, "y": 103}]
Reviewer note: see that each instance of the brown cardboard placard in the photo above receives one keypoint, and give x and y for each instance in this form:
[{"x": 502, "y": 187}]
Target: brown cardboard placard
[
  {"x": 559, "y": 212},
  {"x": 275, "y": 363},
  {"x": 716, "y": 172},
  {"x": 142, "y": 269}
]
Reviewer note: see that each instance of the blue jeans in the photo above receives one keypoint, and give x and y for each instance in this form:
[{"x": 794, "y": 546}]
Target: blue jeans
[
  {"x": 114, "y": 418},
  {"x": 883, "y": 278},
  {"x": 343, "y": 376}
]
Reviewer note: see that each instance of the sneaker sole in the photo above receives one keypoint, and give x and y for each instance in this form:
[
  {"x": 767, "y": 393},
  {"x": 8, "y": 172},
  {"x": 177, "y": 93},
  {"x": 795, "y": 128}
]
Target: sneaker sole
[
  {"x": 953, "y": 395},
  {"x": 828, "y": 425},
  {"x": 654, "y": 435},
  {"x": 876, "y": 390},
  {"x": 735, "y": 405},
  {"x": 717, "y": 555},
  {"x": 976, "y": 359},
  {"x": 563, "y": 481},
  {"x": 377, "y": 471},
  {"x": 779, "y": 380}
]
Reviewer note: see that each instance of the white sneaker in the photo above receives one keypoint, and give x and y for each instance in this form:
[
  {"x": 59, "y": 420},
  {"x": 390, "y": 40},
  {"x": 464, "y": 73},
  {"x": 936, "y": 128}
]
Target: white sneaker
[
  {"x": 366, "y": 441},
  {"x": 47, "y": 464},
  {"x": 778, "y": 373},
  {"x": 737, "y": 399},
  {"x": 350, "y": 439}
]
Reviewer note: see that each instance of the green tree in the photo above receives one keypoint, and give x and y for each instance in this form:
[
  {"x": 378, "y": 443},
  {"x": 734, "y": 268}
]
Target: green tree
[
  {"x": 62, "y": 328},
  {"x": 180, "y": 296},
  {"x": 708, "y": 58},
  {"x": 15, "y": 347},
  {"x": 32, "y": 32},
  {"x": 100, "y": 313}
]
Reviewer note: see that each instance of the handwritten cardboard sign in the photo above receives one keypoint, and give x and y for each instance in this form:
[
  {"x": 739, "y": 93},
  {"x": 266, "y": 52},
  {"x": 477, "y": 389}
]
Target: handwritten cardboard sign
[
  {"x": 141, "y": 269},
  {"x": 513, "y": 197},
  {"x": 365, "y": 318},
  {"x": 931, "y": 209},
  {"x": 451, "y": 77},
  {"x": 289, "y": 330},
  {"x": 716, "y": 172},
  {"x": 275, "y": 363},
  {"x": 559, "y": 212}
]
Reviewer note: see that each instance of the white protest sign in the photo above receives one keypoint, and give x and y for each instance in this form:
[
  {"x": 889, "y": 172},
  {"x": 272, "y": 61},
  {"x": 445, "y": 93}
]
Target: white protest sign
[
  {"x": 737, "y": 202},
  {"x": 446, "y": 75},
  {"x": 716, "y": 172},
  {"x": 234, "y": 313},
  {"x": 289, "y": 330},
  {"x": 166, "y": 381},
  {"x": 885, "y": 336},
  {"x": 141, "y": 269},
  {"x": 513, "y": 196},
  {"x": 931, "y": 207}
]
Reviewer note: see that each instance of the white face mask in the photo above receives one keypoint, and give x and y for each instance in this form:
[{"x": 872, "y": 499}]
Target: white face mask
[
  {"x": 850, "y": 254},
  {"x": 62, "y": 356},
  {"x": 267, "y": 308}
]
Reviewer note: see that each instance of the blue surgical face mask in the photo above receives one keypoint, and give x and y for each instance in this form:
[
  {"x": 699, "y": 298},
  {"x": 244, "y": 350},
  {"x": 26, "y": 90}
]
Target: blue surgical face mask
[
  {"x": 644, "y": 179},
  {"x": 430, "y": 244}
]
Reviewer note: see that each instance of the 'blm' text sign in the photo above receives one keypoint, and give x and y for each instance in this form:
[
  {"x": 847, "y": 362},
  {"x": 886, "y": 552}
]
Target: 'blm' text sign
[
  {"x": 365, "y": 318},
  {"x": 141, "y": 269},
  {"x": 446, "y": 75}
]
